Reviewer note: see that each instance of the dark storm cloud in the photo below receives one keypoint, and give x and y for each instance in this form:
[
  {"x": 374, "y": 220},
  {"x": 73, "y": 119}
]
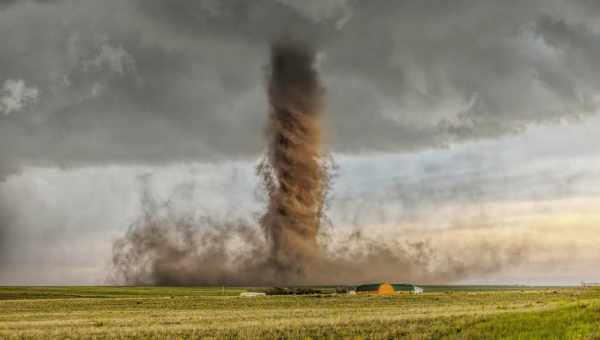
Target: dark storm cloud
[
  {"x": 160, "y": 81},
  {"x": 8, "y": 3},
  {"x": 255, "y": 22}
]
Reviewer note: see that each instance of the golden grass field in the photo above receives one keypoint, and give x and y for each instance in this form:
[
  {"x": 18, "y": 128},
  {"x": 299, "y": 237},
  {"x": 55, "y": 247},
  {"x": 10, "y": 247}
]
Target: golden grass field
[{"x": 164, "y": 313}]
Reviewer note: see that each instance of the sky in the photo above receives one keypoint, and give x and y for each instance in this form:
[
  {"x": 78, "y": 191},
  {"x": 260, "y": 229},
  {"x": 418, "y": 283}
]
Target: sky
[{"x": 468, "y": 125}]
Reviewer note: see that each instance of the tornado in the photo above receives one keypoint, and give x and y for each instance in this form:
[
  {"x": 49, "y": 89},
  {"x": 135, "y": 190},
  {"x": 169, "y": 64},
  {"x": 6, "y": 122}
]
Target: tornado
[
  {"x": 290, "y": 242},
  {"x": 293, "y": 170}
]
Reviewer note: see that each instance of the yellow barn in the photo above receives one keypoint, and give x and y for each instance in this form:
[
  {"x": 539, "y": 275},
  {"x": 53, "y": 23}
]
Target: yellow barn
[{"x": 386, "y": 288}]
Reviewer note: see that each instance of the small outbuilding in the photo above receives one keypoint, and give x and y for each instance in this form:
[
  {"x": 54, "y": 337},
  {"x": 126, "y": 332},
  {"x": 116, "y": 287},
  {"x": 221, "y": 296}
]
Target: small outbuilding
[
  {"x": 252, "y": 294},
  {"x": 386, "y": 288}
]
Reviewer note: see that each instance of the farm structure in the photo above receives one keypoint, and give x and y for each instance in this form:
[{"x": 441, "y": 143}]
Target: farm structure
[{"x": 386, "y": 288}]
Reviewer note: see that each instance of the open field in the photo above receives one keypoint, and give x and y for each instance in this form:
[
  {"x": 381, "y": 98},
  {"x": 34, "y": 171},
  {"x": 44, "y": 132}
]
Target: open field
[{"x": 450, "y": 313}]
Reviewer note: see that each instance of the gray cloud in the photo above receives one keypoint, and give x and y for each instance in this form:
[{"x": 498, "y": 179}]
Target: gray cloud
[
  {"x": 16, "y": 95},
  {"x": 5, "y": 224},
  {"x": 7, "y": 3},
  {"x": 180, "y": 80}
]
